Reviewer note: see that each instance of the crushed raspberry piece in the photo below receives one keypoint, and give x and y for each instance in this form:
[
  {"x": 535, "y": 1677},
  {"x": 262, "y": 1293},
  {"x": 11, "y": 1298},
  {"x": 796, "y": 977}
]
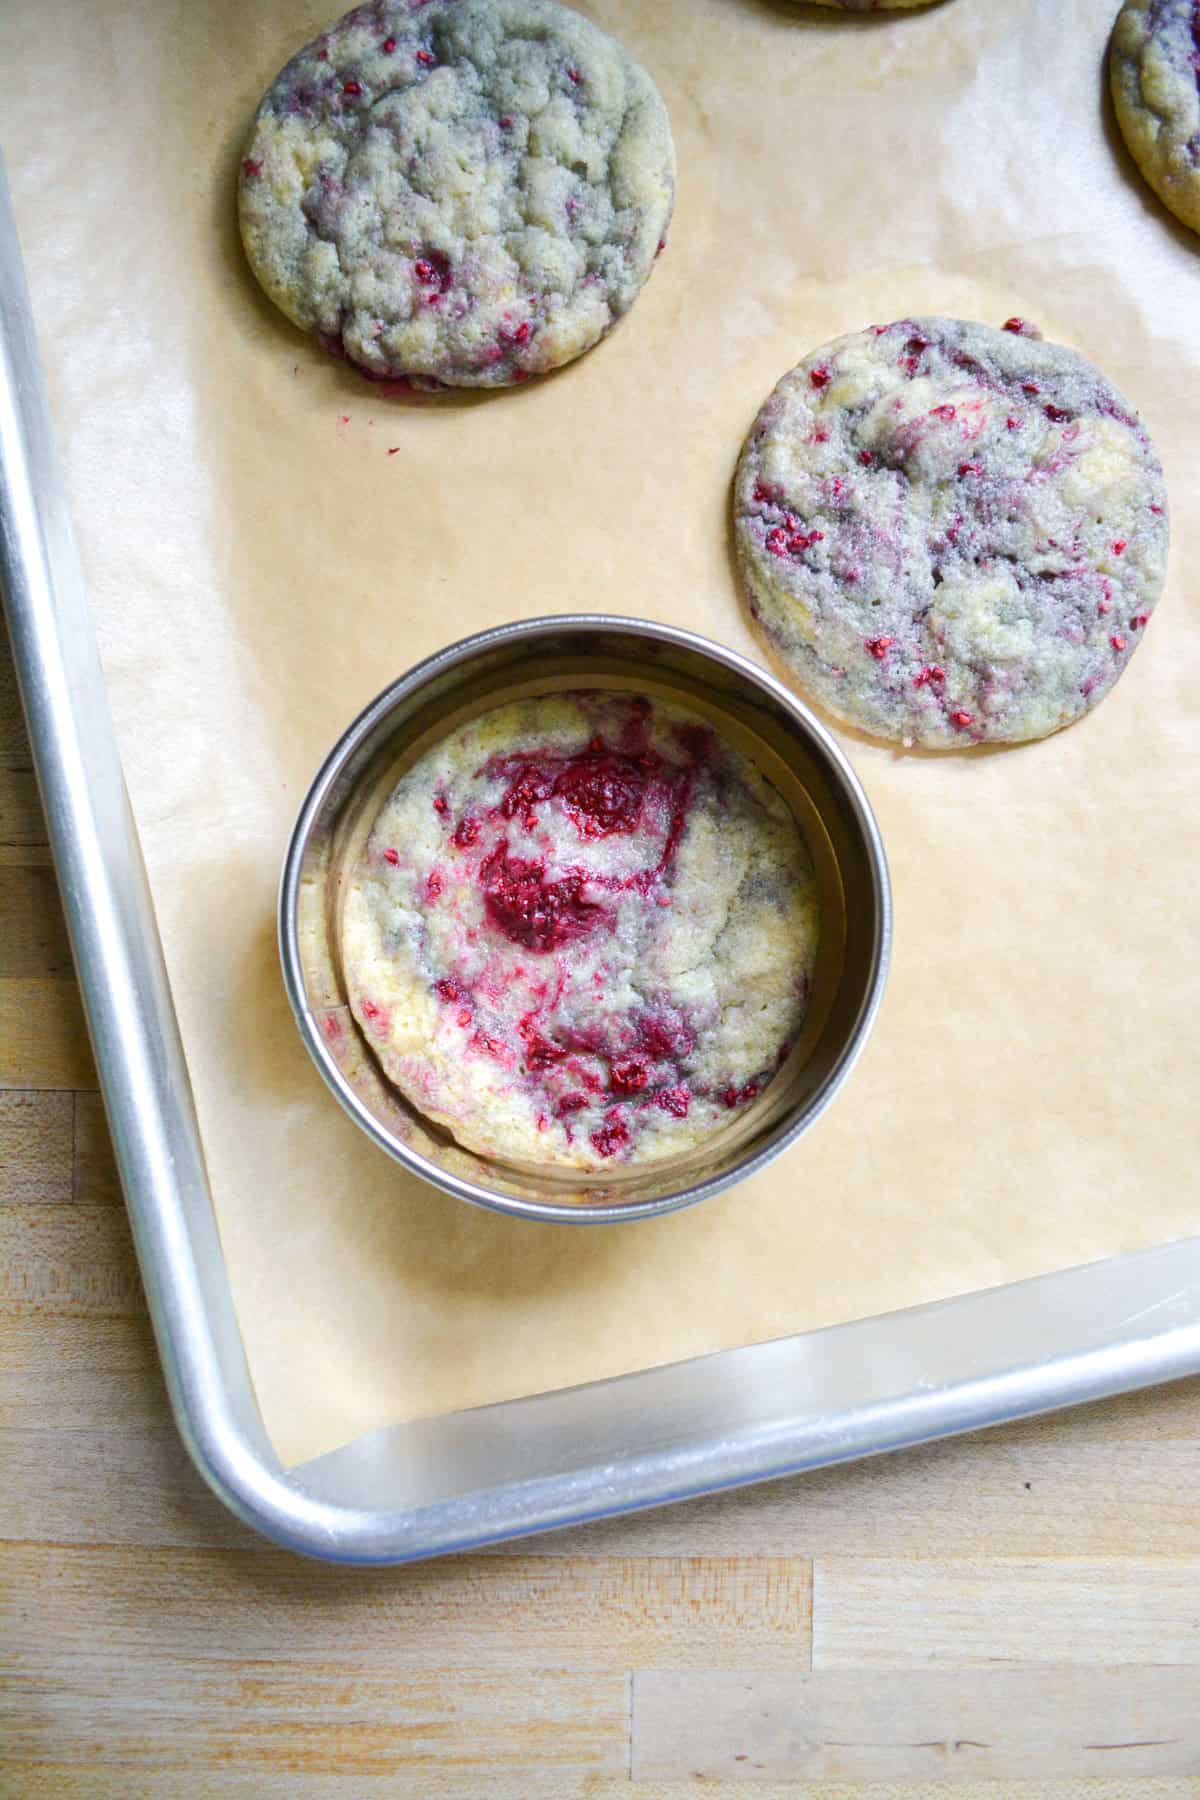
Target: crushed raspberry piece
[
  {"x": 1103, "y": 607},
  {"x": 777, "y": 541},
  {"x": 931, "y": 672},
  {"x": 820, "y": 435},
  {"x": 332, "y": 1027},
  {"x": 662, "y": 244},
  {"x": 734, "y": 1096},
  {"x": 1119, "y": 547},
  {"x": 1030, "y": 387},
  {"x": 914, "y": 349},
  {"x": 395, "y": 450},
  {"x": 1057, "y": 415},
  {"x": 820, "y": 376},
  {"x": 505, "y": 122},
  {"x": 604, "y": 794},
  {"x": 375, "y": 1016},
  {"x": 661, "y": 1038},
  {"x": 540, "y": 1053},
  {"x": 1138, "y": 620},
  {"x": 433, "y": 271},
  {"x": 441, "y": 805},
  {"x": 353, "y": 88},
  {"x": 519, "y": 901},
  {"x": 392, "y": 856},
  {"x": 1118, "y": 642},
  {"x": 1021, "y": 328},
  {"x": 425, "y": 59},
  {"x": 944, "y": 412},
  {"x": 628, "y": 1075},
  {"x": 464, "y": 1017},
  {"x": 571, "y": 1103},
  {"x": 252, "y": 166},
  {"x": 1013, "y": 424},
  {"x": 450, "y": 990},
  {"x": 542, "y": 1122},
  {"x": 516, "y": 334},
  {"x": 962, "y": 719},
  {"x": 879, "y": 647},
  {"x": 610, "y": 1137},
  {"x": 465, "y": 833},
  {"x": 866, "y": 458},
  {"x": 433, "y": 886},
  {"x": 970, "y": 468},
  {"x": 574, "y": 77},
  {"x": 674, "y": 1100},
  {"x": 1155, "y": 508}
]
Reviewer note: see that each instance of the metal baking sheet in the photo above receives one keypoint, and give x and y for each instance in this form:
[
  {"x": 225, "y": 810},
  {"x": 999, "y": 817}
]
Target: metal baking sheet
[{"x": 583, "y": 1453}]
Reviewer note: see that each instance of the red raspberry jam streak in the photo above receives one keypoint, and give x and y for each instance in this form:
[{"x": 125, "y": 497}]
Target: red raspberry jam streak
[
  {"x": 519, "y": 901},
  {"x": 602, "y": 790},
  {"x": 610, "y": 1137},
  {"x": 628, "y": 1075}
]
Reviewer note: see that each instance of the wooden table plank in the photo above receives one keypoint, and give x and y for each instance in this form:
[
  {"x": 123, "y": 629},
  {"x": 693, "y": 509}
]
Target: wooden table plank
[
  {"x": 885, "y": 1613},
  {"x": 37, "y": 1148},
  {"x": 917, "y": 1726},
  {"x": 100, "y": 1782},
  {"x": 466, "y": 1612},
  {"x": 187, "y": 1712},
  {"x": 43, "y": 1037}
]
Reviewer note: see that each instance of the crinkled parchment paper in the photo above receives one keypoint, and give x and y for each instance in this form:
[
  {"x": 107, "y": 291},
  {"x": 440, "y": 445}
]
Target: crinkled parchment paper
[{"x": 260, "y": 566}]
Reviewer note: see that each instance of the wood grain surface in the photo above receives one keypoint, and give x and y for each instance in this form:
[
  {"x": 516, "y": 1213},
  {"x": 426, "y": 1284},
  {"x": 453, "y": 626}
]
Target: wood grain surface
[{"x": 1013, "y": 1614}]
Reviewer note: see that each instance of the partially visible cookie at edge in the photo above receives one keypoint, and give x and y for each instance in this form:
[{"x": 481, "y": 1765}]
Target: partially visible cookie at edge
[
  {"x": 1154, "y": 70},
  {"x": 464, "y": 193},
  {"x": 951, "y": 534}
]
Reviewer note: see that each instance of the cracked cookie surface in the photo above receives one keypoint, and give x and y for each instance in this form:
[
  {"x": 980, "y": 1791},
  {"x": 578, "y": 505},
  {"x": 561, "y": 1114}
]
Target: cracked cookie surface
[
  {"x": 950, "y": 533},
  {"x": 582, "y": 932},
  {"x": 462, "y": 192},
  {"x": 1154, "y": 70}
]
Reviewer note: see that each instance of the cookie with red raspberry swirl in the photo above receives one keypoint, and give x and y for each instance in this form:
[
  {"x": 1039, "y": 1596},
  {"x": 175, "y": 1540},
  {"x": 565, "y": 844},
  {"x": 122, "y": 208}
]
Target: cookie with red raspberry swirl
[
  {"x": 951, "y": 534},
  {"x": 582, "y": 932},
  {"x": 462, "y": 193},
  {"x": 1154, "y": 71}
]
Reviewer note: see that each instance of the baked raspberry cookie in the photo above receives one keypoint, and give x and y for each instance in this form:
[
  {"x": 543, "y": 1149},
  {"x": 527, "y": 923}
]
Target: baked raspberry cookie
[
  {"x": 951, "y": 533},
  {"x": 1154, "y": 68},
  {"x": 467, "y": 192},
  {"x": 582, "y": 932}
]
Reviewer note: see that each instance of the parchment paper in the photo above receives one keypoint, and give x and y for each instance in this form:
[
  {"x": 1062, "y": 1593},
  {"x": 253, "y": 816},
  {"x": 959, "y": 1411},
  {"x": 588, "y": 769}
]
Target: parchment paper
[{"x": 260, "y": 567}]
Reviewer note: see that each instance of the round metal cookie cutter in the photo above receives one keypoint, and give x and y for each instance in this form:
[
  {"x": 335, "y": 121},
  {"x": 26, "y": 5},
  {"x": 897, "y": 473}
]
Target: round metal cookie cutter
[{"x": 753, "y": 712}]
